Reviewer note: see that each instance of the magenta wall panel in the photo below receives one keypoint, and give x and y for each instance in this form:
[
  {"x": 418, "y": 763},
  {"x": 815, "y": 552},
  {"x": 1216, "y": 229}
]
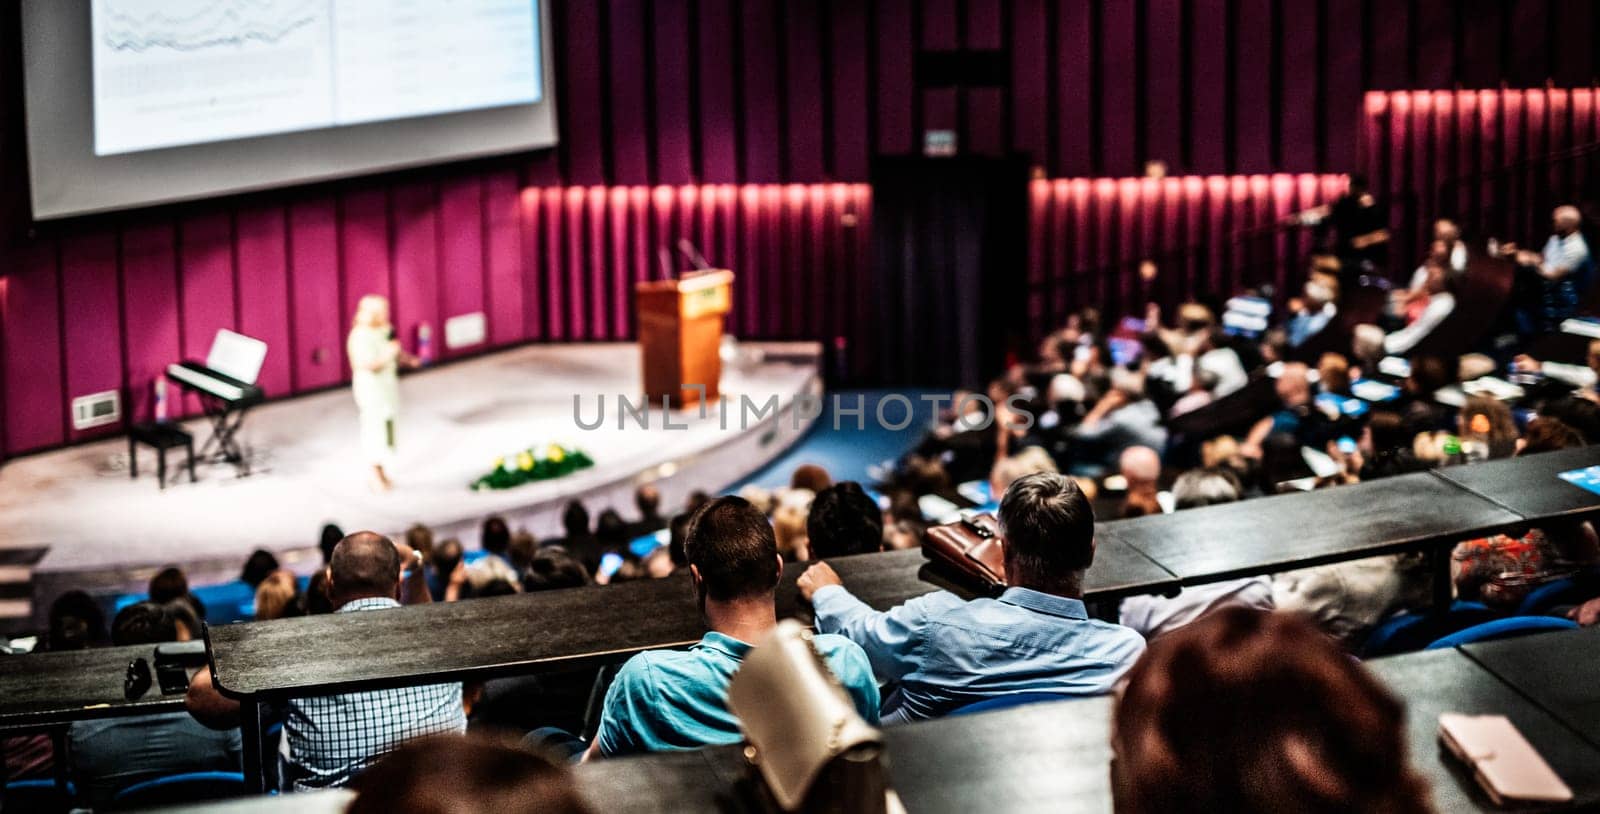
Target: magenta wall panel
[
  {"x": 1118, "y": 70},
  {"x": 502, "y": 257},
  {"x": 34, "y": 388},
  {"x": 1030, "y": 95},
  {"x": 717, "y": 54},
  {"x": 673, "y": 119},
  {"x": 1435, "y": 43},
  {"x": 150, "y": 313},
  {"x": 205, "y": 259},
  {"x": 580, "y": 80},
  {"x": 805, "y": 113},
  {"x": 363, "y": 246},
  {"x": 316, "y": 312},
  {"x": 264, "y": 292},
  {"x": 1163, "y": 101},
  {"x": 849, "y": 98},
  {"x": 1073, "y": 90},
  {"x": 416, "y": 260},
  {"x": 1252, "y": 89},
  {"x": 895, "y": 104},
  {"x": 628, "y": 91},
  {"x": 1208, "y": 86},
  {"x": 462, "y": 271},
  {"x": 92, "y": 331}
]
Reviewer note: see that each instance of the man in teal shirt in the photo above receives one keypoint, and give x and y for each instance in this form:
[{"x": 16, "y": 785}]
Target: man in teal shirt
[{"x": 677, "y": 699}]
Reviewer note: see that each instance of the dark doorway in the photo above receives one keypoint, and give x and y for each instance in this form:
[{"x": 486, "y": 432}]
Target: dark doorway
[{"x": 949, "y": 248}]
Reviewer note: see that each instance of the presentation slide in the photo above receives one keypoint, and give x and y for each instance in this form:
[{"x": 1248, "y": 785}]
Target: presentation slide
[{"x": 170, "y": 73}]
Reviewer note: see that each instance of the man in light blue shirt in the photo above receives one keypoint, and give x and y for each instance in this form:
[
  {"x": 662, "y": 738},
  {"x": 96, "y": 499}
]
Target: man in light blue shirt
[
  {"x": 677, "y": 699},
  {"x": 946, "y": 653}
]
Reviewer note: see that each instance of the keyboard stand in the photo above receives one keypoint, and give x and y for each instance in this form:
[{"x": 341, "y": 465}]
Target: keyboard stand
[{"x": 223, "y": 445}]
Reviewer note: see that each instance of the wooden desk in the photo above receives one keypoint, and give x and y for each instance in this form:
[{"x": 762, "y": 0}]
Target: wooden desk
[
  {"x": 43, "y": 690},
  {"x": 529, "y": 633},
  {"x": 1416, "y": 512},
  {"x": 1528, "y": 485},
  {"x": 1044, "y": 758},
  {"x": 1437, "y": 681},
  {"x": 1056, "y": 757},
  {"x": 1560, "y": 672}
]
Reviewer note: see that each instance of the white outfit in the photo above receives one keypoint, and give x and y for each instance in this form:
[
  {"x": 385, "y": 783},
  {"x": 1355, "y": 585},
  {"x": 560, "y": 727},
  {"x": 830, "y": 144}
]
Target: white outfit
[
  {"x": 377, "y": 392},
  {"x": 1402, "y": 341},
  {"x": 1347, "y": 599},
  {"x": 1154, "y": 616}
]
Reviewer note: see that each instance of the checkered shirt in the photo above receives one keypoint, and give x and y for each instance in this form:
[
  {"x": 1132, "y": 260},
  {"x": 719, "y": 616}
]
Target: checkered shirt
[{"x": 332, "y": 738}]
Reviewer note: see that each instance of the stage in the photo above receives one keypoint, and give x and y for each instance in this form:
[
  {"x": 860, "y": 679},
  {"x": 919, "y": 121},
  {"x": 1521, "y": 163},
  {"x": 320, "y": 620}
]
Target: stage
[{"x": 102, "y": 530}]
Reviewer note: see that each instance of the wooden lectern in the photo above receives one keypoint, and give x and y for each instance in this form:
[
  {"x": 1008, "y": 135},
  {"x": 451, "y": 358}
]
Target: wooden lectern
[{"x": 680, "y": 334}]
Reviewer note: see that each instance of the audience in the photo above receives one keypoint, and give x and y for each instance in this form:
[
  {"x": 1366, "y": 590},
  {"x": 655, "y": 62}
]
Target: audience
[
  {"x": 552, "y": 567},
  {"x": 1501, "y": 571},
  {"x": 257, "y": 567},
  {"x": 647, "y": 499},
  {"x": 945, "y": 653},
  {"x": 675, "y": 699},
  {"x": 110, "y": 754},
  {"x": 171, "y": 583},
  {"x": 277, "y": 596},
  {"x": 330, "y": 739},
  {"x": 1154, "y": 616},
  {"x": 1254, "y": 712},
  {"x": 465, "y": 775},
  {"x": 843, "y": 520}
]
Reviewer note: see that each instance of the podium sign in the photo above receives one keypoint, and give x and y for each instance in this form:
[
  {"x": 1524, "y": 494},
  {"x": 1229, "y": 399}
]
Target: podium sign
[{"x": 680, "y": 334}]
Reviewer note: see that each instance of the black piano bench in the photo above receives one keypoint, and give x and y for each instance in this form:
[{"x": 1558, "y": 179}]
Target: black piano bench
[{"x": 163, "y": 437}]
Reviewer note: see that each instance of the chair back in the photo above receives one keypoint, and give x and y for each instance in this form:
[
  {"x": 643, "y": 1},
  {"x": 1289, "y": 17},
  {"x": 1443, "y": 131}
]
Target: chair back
[
  {"x": 177, "y": 789},
  {"x": 1507, "y": 628},
  {"x": 1409, "y": 632}
]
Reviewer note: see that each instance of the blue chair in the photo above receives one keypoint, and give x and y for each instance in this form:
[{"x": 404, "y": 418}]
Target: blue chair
[
  {"x": 1409, "y": 632},
  {"x": 36, "y": 795},
  {"x": 1507, "y": 628},
  {"x": 1008, "y": 701},
  {"x": 177, "y": 789},
  {"x": 1574, "y": 590}
]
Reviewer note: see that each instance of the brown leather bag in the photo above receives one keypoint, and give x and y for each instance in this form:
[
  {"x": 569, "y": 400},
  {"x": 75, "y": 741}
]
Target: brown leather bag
[{"x": 971, "y": 549}]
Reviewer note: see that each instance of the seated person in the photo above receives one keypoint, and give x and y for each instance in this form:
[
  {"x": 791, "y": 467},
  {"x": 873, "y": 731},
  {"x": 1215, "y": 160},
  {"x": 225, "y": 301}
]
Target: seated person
[
  {"x": 1140, "y": 467},
  {"x": 111, "y": 754},
  {"x": 1122, "y": 418},
  {"x": 1348, "y": 599},
  {"x": 1424, "y": 312},
  {"x": 1296, "y": 417},
  {"x": 1314, "y": 309},
  {"x": 1563, "y": 272},
  {"x": 1251, "y": 712},
  {"x": 1154, "y": 616},
  {"x": 1584, "y": 376},
  {"x": 1501, "y": 571},
  {"x": 844, "y": 520},
  {"x": 677, "y": 699},
  {"x": 332, "y": 738},
  {"x": 946, "y": 653}
]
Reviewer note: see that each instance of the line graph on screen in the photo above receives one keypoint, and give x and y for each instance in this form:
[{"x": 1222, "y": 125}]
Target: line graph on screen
[{"x": 188, "y": 26}]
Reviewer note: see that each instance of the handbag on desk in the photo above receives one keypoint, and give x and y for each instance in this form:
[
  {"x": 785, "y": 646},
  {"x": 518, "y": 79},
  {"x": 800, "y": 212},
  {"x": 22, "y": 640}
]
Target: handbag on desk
[
  {"x": 808, "y": 748},
  {"x": 970, "y": 548}
]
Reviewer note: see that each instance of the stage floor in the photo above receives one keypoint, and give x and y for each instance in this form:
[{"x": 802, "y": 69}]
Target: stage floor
[{"x": 101, "y": 527}]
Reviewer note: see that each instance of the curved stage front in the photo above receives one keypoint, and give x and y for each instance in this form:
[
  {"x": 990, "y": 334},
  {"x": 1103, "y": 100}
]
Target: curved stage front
[{"x": 105, "y": 530}]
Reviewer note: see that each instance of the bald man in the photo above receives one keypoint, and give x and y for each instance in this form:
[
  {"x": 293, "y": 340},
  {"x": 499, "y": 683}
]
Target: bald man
[
  {"x": 332, "y": 738},
  {"x": 1141, "y": 468},
  {"x": 1564, "y": 269}
]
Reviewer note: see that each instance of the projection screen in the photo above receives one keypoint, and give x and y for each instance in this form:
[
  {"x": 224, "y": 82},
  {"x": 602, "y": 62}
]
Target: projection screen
[{"x": 139, "y": 102}]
